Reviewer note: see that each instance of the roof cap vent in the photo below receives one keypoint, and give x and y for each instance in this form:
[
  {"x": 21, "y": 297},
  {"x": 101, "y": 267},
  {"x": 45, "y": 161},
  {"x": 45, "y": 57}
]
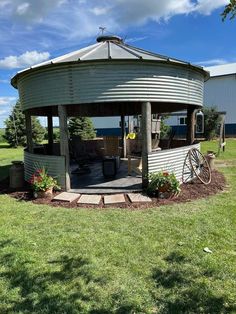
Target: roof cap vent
[{"x": 114, "y": 38}]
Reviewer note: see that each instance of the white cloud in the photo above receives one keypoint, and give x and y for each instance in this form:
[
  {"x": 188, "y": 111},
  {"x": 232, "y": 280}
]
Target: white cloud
[
  {"x": 4, "y": 3},
  {"x": 207, "y": 6},
  {"x": 135, "y": 39},
  {"x": 22, "y": 8},
  {"x": 57, "y": 24},
  {"x": 212, "y": 62},
  {"x": 117, "y": 13},
  {"x": 99, "y": 11},
  {"x": 32, "y": 10},
  {"x": 139, "y": 11},
  {"x": 7, "y": 100},
  {"x": 25, "y": 60}
]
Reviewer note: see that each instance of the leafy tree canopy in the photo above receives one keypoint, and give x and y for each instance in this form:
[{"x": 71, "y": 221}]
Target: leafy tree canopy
[
  {"x": 211, "y": 122},
  {"x": 15, "y": 131},
  {"x": 230, "y": 9},
  {"x": 165, "y": 128},
  {"x": 82, "y": 127}
]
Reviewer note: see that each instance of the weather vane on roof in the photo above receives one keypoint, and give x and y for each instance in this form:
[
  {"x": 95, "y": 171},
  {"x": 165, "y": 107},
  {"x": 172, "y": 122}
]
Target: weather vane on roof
[{"x": 102, "y": 29}]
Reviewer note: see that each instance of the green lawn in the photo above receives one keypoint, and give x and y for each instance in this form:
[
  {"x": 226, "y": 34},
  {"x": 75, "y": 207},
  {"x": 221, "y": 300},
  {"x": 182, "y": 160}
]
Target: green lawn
[
  {"x": 7, "y": 155},
  {"x": 57, "y": 260}
]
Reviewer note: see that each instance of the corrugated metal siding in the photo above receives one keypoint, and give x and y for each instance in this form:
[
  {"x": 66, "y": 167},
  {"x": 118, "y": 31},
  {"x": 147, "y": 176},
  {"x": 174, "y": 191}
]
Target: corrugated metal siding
[
  {"x": 171, "y": 160},
  {"x": 109, "y": 82},
  {"x": 55, "y": 166}
]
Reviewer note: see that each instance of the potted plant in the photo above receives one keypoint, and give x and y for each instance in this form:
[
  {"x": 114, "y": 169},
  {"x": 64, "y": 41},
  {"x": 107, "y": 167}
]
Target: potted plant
[
  {"x": 163, "y": 184},
  {"x": 43, "y": 184}
]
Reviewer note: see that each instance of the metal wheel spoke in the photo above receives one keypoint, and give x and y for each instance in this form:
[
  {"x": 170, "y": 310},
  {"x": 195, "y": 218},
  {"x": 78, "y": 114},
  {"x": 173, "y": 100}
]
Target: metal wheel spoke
[
  {"x": 200, "y": 166},
  {"x": 187, "y": 174},
  {"x": 190, "y": 176},
  {"x": 189, "y": 167},
  {"x": 205, "y": 175},
  {"x": 205, "y": 170},
  {"x": 195, "y": 156}
]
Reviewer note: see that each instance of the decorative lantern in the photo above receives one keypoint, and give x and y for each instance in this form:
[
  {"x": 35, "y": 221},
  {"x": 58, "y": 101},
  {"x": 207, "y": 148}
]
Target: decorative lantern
[{"x": 199, "y": 122}]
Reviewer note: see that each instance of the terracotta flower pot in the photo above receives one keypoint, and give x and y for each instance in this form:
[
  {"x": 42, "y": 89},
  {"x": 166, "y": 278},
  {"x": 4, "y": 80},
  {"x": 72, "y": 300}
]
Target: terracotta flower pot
[
  {"x": 44, "y": 194},
  {"x": 168, "y": 194},
  {"x": 164, "y": 188}
]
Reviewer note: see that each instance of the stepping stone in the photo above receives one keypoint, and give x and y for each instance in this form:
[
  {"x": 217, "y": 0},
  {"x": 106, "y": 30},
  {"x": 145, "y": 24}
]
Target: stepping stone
[
  {"x": 114, "y": 199},
  {"x": 89, "y": 199},
  {"x": 139, "y": 198},
  {"x": 66, "y": 197}
]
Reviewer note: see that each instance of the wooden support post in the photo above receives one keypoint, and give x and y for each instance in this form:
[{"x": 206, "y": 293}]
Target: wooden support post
[
  {"x": 190, "y": 126},
  {"x": 50, "y": 133},
  {"x": 29, "y": 139},
  {"x": 130, "y": 124},
  {"x": 146, "y": 140},
  {"x": 224, "y": 137},
  {"x": 123, "y": 135},
  {"x": 64, "y": 143}
]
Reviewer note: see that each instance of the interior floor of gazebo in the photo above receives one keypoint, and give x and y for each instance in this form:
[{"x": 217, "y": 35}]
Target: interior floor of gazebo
[{"x": 95, "y": 183}]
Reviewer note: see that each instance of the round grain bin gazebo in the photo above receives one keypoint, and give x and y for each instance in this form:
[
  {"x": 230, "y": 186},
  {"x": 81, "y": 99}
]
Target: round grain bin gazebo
[{"x": 109, "y": 78}]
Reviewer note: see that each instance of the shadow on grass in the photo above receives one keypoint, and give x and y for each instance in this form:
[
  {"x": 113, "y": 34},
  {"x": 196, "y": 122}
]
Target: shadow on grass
[
  {"x": 184, "y": 292},
  {"x": 5, "y": 243},
  {"x": 49, "y": 292},
  {"x": 3, "y": 145},
  {"x": 68, "y": 285}
]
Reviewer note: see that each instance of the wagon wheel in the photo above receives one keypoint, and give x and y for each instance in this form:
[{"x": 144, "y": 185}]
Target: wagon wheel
[
  {"x": 188, "y": 173},
  {"x": 199, "y": 165}
]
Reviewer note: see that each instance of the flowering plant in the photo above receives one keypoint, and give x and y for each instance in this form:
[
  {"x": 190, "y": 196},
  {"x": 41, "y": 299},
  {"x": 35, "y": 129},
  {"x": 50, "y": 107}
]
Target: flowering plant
[
  {"x": 163, "y": 182},
  {"x": 41, "y": 181}
]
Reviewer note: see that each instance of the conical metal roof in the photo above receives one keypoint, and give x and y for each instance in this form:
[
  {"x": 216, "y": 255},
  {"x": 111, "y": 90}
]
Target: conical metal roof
[{"x": 109, "y": 48}]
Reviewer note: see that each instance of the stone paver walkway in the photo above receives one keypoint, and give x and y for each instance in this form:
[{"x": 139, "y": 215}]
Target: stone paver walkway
[
  {"x": 66, "y": 197},
  {"x": 139, "y": 198},
  {"x": 95, "y": 199},
  {"x": 91, "y": 199},
  {"x": 114, "y": 199}
]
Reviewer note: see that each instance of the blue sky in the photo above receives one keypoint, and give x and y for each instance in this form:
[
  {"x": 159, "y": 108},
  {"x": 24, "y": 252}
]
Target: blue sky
[{"x": 32, "y": 31}]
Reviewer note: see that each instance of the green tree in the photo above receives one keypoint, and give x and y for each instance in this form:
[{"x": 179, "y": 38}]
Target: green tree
[
  {"x": 229, "y": 9},
  {"x": 82, "y": 127},
  {"x": 165, "y": 128},
  {"x": 211, "y": 122},
  {"x": 15, "y": 131}
]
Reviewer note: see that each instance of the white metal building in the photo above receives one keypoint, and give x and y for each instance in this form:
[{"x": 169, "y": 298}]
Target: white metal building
[{"x": 219, "y": 91}]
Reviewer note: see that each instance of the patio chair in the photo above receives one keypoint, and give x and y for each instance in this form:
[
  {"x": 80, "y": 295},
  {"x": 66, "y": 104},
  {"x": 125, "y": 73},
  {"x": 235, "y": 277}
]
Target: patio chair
[
  {"x": 79, "y": 155},
  {"x": 111, "y": 153},
  {"x": 111, "y": 146},
  {"x": 134, "y": 165}
]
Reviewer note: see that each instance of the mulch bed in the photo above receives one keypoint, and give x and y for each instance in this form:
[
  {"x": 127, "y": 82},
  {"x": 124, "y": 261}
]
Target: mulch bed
[{"x": 191, "y": 191}]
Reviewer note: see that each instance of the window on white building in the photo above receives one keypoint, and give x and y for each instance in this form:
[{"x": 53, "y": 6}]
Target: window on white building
[{"x": 182, "y": 120}]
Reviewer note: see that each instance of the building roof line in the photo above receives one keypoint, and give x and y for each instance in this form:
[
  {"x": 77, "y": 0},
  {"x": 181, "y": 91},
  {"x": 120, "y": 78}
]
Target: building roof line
[{"x": 222, "y": 70}]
